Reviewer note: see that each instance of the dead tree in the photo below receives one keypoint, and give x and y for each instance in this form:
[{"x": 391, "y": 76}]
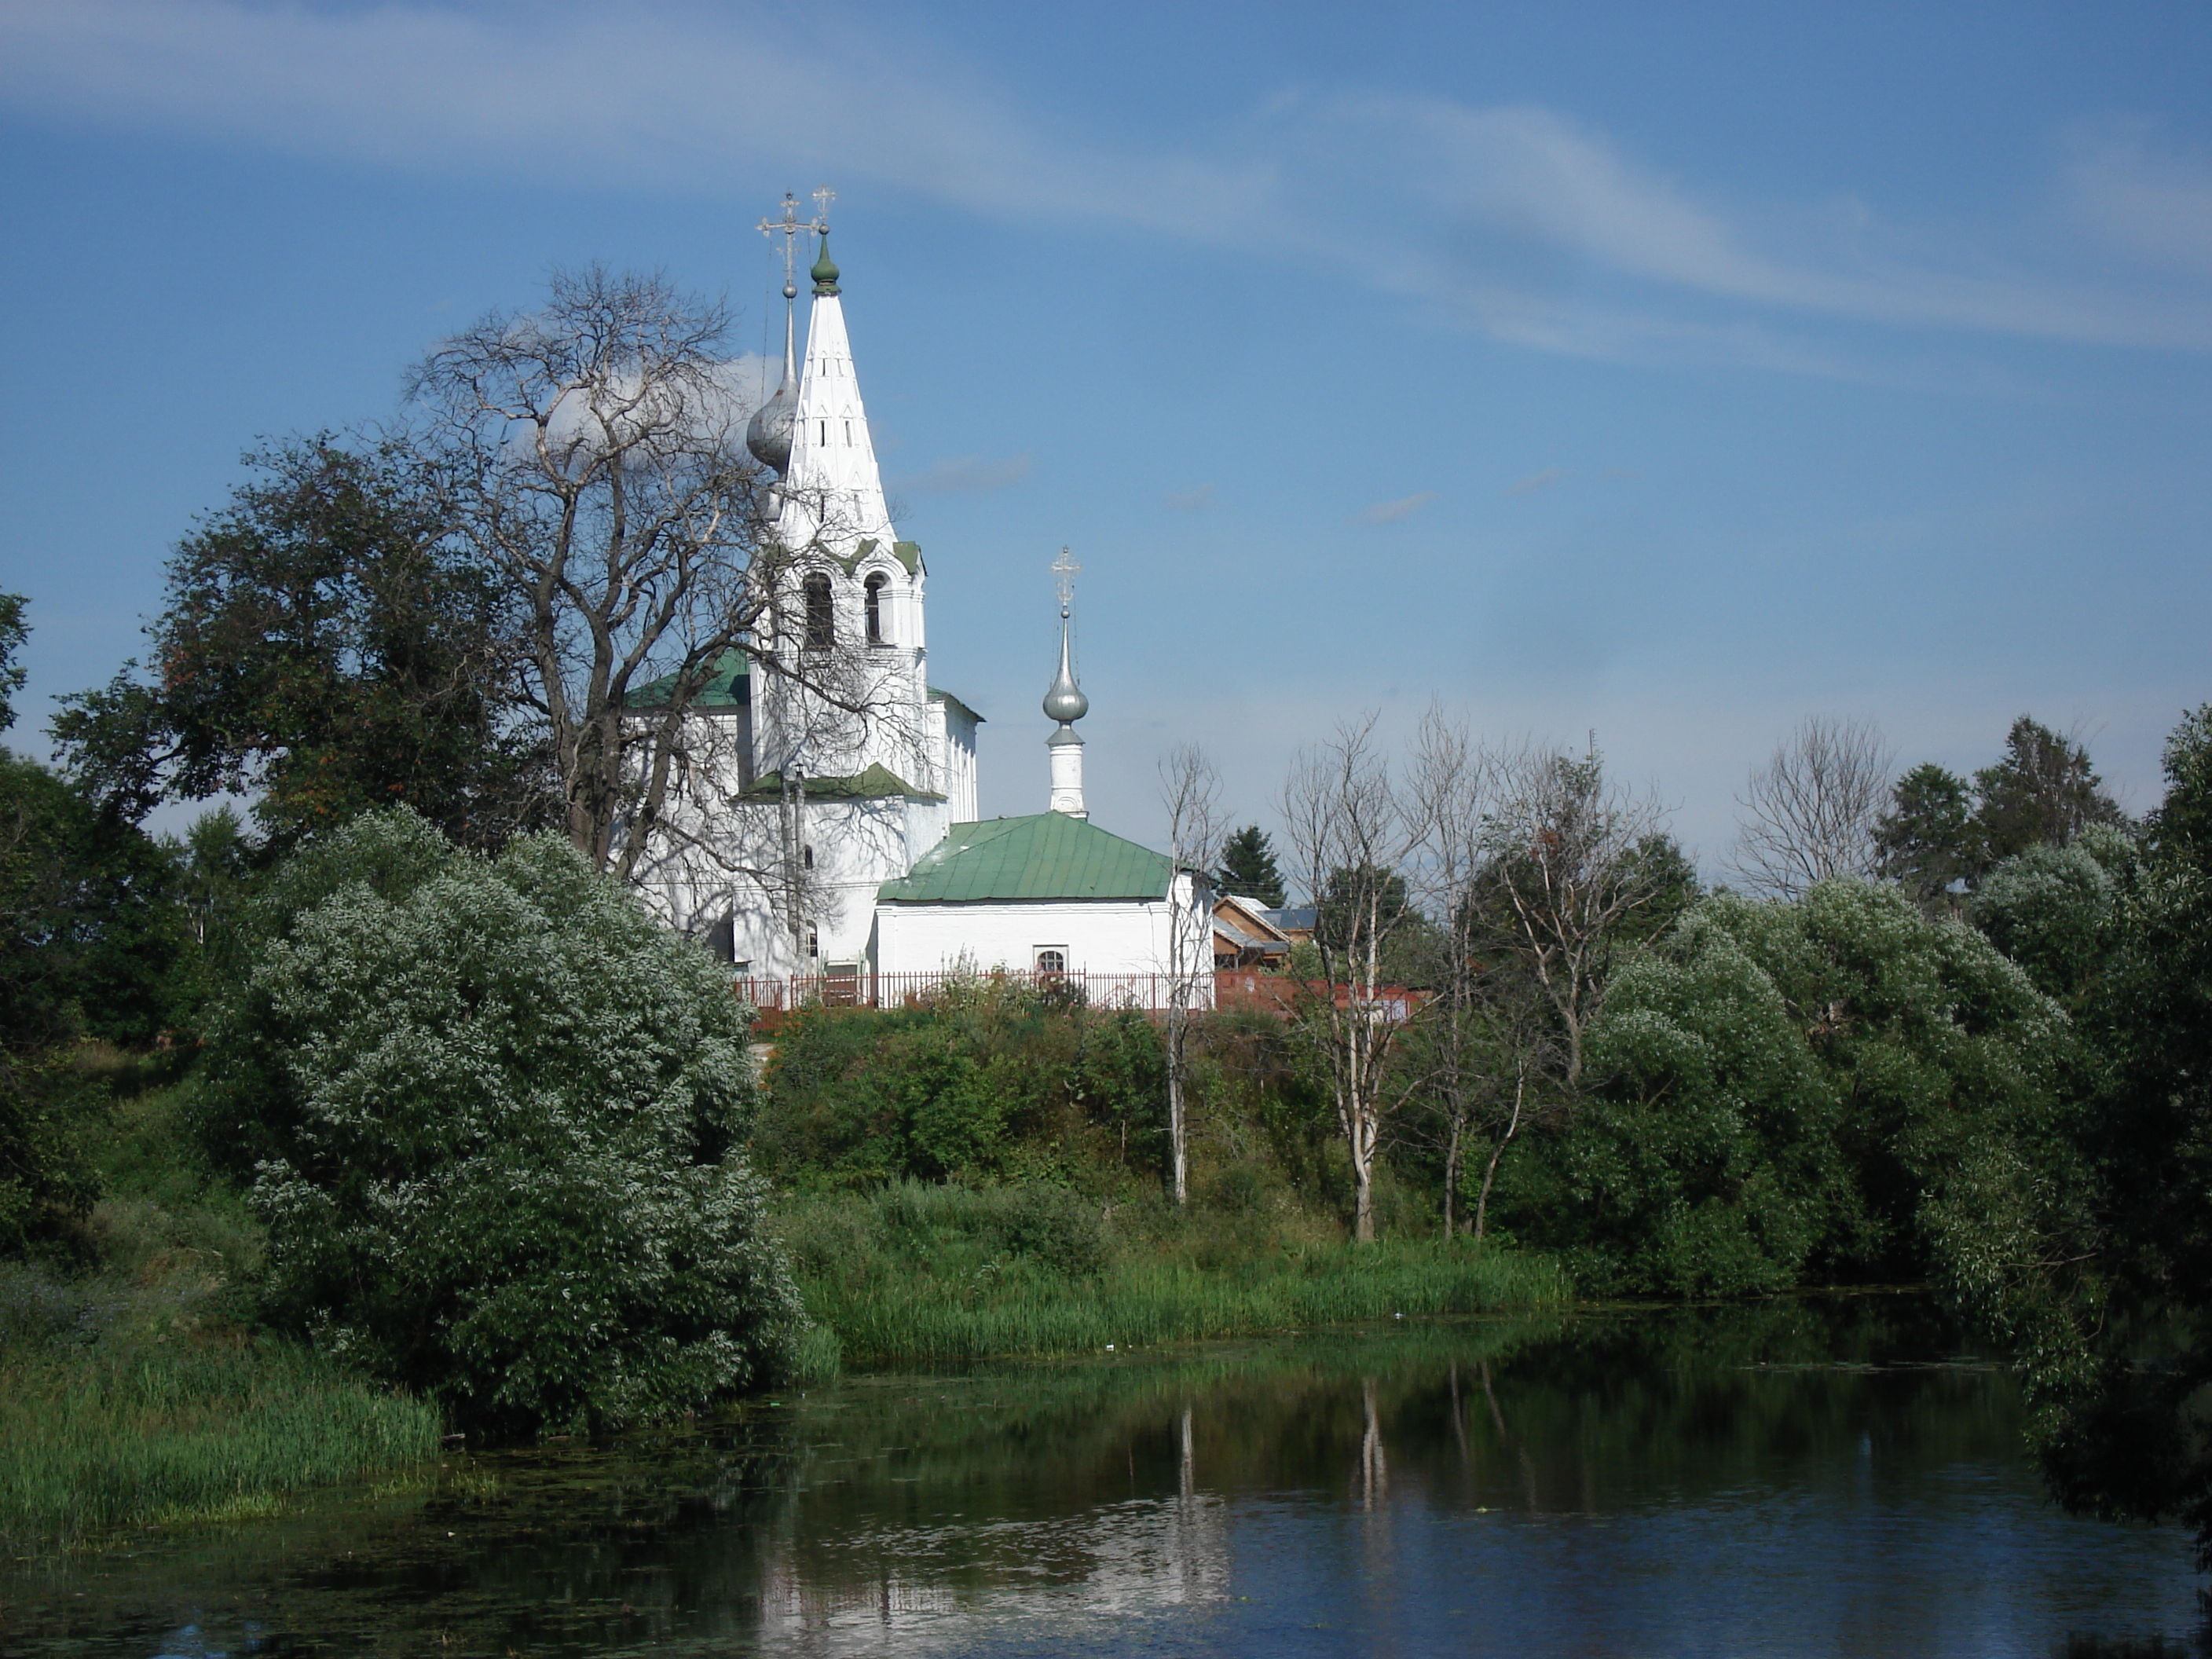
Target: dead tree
[{"x": 1813, "y": 808}]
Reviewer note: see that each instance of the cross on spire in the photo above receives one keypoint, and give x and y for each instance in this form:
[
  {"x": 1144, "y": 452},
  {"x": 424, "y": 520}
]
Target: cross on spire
[
  {"x": 1067, "y": 570},
  {"x": 792, "y": 227}
]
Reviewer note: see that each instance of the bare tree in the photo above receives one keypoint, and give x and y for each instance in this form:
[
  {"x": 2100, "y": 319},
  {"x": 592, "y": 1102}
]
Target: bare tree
[
  {"x": 1351, "y": 829},
  {"x": 1482, "y": 1056},
  {"x": 1569, "y": 859},
  {"x": 1191, "y": 790},
  {"x": 1813, "y": 807},
  {"x": 594, "y": 450}
]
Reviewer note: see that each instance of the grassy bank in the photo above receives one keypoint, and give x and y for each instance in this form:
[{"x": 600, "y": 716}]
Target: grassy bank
[
  {"x": 916, "y": 1271},
  {"x": 133, "y": 1388},
  {"x": 113, "y": 1437}
]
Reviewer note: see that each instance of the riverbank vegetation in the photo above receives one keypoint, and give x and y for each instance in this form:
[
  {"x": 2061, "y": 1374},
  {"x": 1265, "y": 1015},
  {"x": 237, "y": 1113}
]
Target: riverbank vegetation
[{"x": 421, "y": 1103}]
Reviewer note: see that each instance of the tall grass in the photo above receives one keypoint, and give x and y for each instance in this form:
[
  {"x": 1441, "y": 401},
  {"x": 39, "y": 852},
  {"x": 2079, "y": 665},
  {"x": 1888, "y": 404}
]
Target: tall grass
[
  {"x": 125, "y": 1402},
  {"x": 916, "y": 1273},
  {"x": 103, "y": 1437}
]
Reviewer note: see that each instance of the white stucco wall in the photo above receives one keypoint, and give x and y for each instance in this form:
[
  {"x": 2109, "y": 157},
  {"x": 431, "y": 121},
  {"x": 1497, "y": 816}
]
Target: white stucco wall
[{"x": 1100, "y": 936}]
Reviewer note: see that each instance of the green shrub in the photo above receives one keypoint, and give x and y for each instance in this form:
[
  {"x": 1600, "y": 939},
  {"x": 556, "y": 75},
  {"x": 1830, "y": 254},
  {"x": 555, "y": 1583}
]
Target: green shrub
[
  {"x": 491, "y": 1112},
  {"x": 992, "y": 1082},
  {"x": 1838, "y": 1088}
]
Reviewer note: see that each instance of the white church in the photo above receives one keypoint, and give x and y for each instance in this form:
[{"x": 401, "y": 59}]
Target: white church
[{"x": 833, "y": 846}]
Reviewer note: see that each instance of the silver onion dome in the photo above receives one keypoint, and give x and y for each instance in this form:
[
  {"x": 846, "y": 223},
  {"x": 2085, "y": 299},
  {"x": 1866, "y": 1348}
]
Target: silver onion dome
[
  {"x": 1065, "y": 702},
  {"x": 767, "y": 434}
]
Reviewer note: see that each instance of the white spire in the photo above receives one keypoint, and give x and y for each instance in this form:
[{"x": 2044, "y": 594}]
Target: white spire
[
  {"x": 832, "y": 490},
  {"x": 1066, "y": 703}
]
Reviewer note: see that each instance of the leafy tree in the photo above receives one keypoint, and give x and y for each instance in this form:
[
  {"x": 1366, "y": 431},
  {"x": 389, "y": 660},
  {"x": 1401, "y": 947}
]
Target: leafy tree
[
  {"x": 1927, "y": 838},
  {"x": 493, "y": 1113},
  {"x": 1248, "y": 867},
  {"x": 1941, "y": 835},
  {"x": 2042, "y": 793},
  {"x": 2058, "y": 911},
  {"x": 1835, "y": 1087},
  {"x": 2116, "y": 1318},
  {"x": 328, "y": 647},
  {"x": 86, "y": 938},
  {"x": 13, "y": 633}
]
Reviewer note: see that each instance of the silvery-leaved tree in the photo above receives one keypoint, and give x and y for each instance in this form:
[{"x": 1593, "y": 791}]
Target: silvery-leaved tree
[
  {"x": 495, "y": 1114},
  {"x": 593, "y": 451}
]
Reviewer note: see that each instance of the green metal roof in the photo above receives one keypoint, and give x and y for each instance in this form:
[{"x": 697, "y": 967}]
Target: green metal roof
[
  {"x": 879, "y": 782},
  {"x": 728, "y": 686},
  {"x": 1048, "y": 856}
]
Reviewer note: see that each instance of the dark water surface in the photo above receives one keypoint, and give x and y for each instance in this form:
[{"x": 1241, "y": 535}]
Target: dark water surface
[{"x": 1829, "y": 1477}]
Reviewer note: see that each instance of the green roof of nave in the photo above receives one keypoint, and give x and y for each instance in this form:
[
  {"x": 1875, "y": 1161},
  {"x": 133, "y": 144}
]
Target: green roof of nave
[
  {"x": 878, "y": 782},
  {"x": 729, "y": 685},
  {"x": 1049, "y": 855}
]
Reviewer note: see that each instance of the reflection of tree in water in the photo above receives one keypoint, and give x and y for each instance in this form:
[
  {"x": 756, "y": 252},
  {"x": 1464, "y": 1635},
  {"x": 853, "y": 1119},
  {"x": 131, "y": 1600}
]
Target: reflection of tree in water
[{"x": 879, "y": 1506}]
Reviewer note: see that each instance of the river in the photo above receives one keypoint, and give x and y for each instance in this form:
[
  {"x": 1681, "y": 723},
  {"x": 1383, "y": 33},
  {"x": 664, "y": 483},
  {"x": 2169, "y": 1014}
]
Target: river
[{"x": 1829, "y": 1476}]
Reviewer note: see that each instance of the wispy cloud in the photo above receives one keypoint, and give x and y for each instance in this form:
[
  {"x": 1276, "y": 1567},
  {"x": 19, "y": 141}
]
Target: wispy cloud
[
  {"x": 1520, "y": 221},
  {"x": 1404, "y": 507},
  {"x": 1194, "y": 501},
  {"x": 2157, "y": 206},
  {"x": 967, "y": 472},
  {"x": 1536, "y": 481}
]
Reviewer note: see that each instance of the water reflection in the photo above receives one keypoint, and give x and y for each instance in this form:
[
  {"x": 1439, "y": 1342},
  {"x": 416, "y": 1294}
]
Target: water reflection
[{"x": 1828, "y": 1477}]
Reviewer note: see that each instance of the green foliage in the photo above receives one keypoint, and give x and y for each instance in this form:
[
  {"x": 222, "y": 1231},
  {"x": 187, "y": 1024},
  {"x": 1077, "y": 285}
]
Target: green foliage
[
  {"x": 491, "y": 1112},
  {"x": 87, "y": 940},
  {"x": 1837, "y": 1087},
  {"x": 1942, "y": 835},
  {"x": 328, "y": 647},
  {"x": 1248, "y": 867},
  {"x": 1927, "y": 838},
  {"x": 2042, "y": 793},
  {"x": 933, "y": 1273},
  {"x": 2056, "y": 911},
  {"x": 113, "y": 1414},
  {"x": 13, "y": 633},
  {"x": 993, "y": 1080},
  {"x": 2117, "y": 1321}
]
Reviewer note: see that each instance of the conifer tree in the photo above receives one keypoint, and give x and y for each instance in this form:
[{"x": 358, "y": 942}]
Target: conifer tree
[{"x": 1247, "y": 866}]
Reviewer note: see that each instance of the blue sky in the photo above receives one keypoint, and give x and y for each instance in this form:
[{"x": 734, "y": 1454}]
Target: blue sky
[{"x": 1668, "y": 372}]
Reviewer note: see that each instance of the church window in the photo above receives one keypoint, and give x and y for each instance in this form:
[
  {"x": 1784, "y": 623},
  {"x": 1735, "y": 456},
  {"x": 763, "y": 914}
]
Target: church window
[
  {"x": 821, "y": 614},
  {"x": 813, "y": 942},
  {"x": 875, "y": 594},
  {"x": 806, "y": 856},
  {"x": 1051, "y": 961},
  {"x": 848, "y": 435},
  {"x": 823, "y": 440}
]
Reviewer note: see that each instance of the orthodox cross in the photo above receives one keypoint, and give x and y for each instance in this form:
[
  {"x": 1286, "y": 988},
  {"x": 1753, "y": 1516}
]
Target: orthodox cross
[
  {"x": 793, "y": 226},
  {"x": 1067, "y": 570}
]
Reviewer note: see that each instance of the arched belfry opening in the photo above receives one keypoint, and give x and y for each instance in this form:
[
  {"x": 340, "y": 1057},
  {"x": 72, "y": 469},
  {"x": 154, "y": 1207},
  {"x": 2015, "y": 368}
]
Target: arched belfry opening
[
  {"x": 820, "y": 613},
  {"x": 874, "y": 596}
]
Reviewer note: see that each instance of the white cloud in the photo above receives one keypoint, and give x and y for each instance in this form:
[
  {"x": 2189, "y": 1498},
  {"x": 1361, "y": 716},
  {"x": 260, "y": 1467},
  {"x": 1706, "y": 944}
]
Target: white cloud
[
  {"x": 1536, "y": 481},
  {"x": 1511, "y": 209},
  {"x": 2158, "y": 208},
  {"x": 1404, "y": 507},
  {"x": 967, "y": 472}
]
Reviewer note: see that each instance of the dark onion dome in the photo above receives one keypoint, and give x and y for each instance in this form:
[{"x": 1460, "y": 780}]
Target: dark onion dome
[
  {"x": 767, "y": 434},
  {"x": 824, "y": 272}
]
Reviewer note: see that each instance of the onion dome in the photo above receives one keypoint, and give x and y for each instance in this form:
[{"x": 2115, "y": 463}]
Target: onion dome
[
  {"x": 767, "y": 434},
  {"x": 825, "y": 271},
  {"x": 1065, "y": 702}
]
